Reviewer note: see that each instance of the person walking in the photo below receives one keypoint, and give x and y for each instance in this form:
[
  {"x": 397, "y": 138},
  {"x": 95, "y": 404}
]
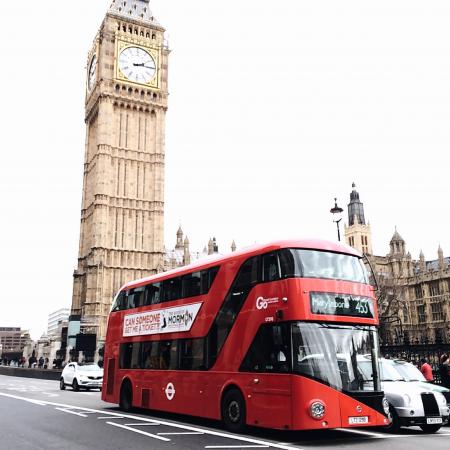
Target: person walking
[
  {"x": 426, "y": 370},
  {"x": 444, "y": 370}
]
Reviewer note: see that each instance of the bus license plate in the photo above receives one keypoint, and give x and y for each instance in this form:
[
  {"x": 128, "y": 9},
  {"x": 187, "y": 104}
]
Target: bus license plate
[
  {"x": 358, "y": 420},
  {"x": 434, "y": 420}
]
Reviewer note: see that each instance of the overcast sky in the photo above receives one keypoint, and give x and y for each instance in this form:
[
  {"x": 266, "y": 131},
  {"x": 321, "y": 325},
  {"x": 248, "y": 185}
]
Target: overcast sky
[{"x": 276, "y": 107}]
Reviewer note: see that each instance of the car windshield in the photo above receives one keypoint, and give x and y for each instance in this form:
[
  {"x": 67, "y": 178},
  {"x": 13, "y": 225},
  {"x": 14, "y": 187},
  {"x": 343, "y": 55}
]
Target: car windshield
[
  {"x": 388, "y": 372},
  {"x": 89, "y": 368},
  {"x": 319, "y": 264},
  {"x": 408, "y": 371},
  {"x": 332, "y": 354}
]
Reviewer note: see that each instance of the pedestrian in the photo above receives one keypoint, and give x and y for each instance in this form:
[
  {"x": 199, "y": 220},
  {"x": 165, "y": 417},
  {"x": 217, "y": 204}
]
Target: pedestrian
[
  {"x": 444, "y": 370},
  {"x": 426, "y": 370}
]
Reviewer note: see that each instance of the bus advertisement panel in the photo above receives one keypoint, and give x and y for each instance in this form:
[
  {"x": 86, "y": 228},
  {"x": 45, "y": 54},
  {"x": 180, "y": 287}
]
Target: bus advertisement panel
[{"x": 270, "y": 336}]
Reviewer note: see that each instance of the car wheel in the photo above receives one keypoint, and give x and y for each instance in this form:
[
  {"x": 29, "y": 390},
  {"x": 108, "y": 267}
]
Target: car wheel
[
  {"x": 126, "y": 396},
  {"x": 234, "y": 411},
  {"x": 75, "y": 385},
  {"x": 62, "y": 385},
  {"x": 430, "y": 428},
  {"x": 394, "y": 427}
]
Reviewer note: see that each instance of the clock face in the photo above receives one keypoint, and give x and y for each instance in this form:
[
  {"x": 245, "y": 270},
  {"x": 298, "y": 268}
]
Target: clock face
[
  {"x": 137, "y": 65},
  {"x": 92, "y": 75}
]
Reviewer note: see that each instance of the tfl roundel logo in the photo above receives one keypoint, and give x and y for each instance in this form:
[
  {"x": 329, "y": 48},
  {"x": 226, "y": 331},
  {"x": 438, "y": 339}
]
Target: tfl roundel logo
[{"x": 170, "y": 391}]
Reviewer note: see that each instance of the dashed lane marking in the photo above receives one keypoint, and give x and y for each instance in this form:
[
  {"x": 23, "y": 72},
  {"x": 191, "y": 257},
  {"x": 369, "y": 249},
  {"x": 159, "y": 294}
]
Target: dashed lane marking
[
  {"x": 237, "y": 446},
  {"x": 362, "y": 432},
  {"x": 71, "y": 412},
  {"x": 180, "y": 433},
  {"x": 141, "y": 424},
  {"x": 134, "y": 430},
  {"x": 110, "y": 417}
]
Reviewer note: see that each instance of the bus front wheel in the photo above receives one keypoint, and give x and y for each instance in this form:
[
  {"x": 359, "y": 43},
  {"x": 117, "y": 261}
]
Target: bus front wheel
[
  {"x": 233, "y": 411},
  {"x": 126, "y": 396}
]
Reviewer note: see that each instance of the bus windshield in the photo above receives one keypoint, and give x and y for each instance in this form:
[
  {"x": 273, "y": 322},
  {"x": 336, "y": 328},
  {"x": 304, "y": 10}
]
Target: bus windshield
[
  {"x": 319, "y": 264},
  {"x": 333, "y": 354}
]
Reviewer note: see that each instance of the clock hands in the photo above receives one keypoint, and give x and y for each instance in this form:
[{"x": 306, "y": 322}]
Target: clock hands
[{"x": 142, "y": 65}]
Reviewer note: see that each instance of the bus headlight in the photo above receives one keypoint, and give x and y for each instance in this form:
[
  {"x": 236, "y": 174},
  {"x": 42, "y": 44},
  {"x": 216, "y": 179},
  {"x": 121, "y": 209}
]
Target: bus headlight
[
  {"x": 407, "y": 399},
  {"x": 385, "y": 404},
  {"x": 317, "y": 409}
]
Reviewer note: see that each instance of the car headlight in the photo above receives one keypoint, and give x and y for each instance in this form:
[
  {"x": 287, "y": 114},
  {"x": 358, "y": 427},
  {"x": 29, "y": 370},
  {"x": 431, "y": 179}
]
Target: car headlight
[
  {"x": 317, "y": 409},
  {"x": 407, "y": 399},
  {"x": 441, "y": 399},
  {"x": 385, "y": 404}
]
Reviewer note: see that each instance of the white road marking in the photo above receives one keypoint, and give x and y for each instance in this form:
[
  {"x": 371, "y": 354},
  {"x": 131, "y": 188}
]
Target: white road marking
[
  {"x": 71, "y": 412},
  {"x": 140, "y": 424},
  {"x": 109, "y": 418},
  {"x": 169, "y": 424},
  {"x": 134, "y": 430},
  {"x": 180, "y": 433},
  {"x": 237, "y": 446},
  {"x": 362, "y": 432},
  {"x": 50, "y": 394}
]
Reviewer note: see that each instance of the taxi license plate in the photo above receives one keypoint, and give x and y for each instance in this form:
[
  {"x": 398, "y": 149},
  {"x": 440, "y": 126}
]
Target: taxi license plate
[
  {"x": 358, "y": 420},
  {"x": 434, "y": 420}
]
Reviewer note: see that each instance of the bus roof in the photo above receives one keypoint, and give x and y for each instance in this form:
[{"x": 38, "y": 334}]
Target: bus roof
[{"x": 214, "y": 260}]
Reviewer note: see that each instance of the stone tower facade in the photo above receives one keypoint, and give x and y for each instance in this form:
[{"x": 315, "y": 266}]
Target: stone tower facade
[
  {"x": 357, "y": 233},
  {"x": 121, "y": 235}
]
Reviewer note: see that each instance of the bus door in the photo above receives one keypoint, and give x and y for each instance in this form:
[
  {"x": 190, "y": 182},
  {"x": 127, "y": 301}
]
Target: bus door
[{"x": 269, "y": 383}]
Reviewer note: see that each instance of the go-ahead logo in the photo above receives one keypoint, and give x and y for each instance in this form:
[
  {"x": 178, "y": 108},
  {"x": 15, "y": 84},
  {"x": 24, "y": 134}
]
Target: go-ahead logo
[{"x": 263, "y": 303}]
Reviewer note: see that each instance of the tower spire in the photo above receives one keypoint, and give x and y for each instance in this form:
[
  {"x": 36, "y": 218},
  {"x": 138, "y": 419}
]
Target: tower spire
[
  {"x": 355, "y": 209},
  {"x": 133, "y": 9}
]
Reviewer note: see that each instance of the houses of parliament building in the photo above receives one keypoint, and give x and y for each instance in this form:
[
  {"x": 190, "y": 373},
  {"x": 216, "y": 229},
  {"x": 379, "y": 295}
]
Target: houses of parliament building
[{"x": 413, "y": 295}]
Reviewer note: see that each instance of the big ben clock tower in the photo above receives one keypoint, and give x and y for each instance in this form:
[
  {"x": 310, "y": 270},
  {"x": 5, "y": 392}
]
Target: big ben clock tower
[{"x": 121, "y": 236}]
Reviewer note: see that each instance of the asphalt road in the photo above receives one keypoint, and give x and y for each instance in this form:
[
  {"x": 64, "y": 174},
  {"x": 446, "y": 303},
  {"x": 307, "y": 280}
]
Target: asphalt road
[{"x": 35, "y": 414}]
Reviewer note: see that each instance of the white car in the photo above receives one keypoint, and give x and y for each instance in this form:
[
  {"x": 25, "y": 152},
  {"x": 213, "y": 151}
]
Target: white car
[
  {"x": 410, "y": 404},
  {"x": 85, "y": 376},
  {"x": 412, "y": 374}
]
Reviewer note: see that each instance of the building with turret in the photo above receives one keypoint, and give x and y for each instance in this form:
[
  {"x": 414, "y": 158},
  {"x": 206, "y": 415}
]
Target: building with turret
[
  {"x": 181, "y": 254},
  {"x": 413, "y": 295}
]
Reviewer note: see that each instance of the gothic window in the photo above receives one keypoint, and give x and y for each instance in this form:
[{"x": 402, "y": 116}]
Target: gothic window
[
  {"x": 434, "y": 289},
  {"x": 418, "y": 291},
  {"x": 439, "y": 335},
  {"x": 421, "y": 314},
  {"x": 405, "y": 314},
  {"x": 436, "y": 310}
]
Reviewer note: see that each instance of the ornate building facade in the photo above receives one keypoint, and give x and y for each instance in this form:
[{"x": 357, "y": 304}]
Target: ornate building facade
[
  {"x": 181, "y": 255},
  {"x": 413, "y": 295},
  {"x": 122, "y": 216}
]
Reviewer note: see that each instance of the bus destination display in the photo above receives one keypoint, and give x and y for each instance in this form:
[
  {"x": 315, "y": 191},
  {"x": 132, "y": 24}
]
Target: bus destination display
[{"x": 341, "y": 305}]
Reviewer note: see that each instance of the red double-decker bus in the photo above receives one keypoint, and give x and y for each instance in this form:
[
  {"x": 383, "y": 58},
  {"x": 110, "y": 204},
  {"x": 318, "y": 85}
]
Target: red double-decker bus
[{"x": 270, "y": 336}]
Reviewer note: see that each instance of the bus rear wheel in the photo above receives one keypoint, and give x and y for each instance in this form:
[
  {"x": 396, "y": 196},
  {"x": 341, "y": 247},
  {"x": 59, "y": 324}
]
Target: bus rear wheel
[
  {"x": 234, "y": 411},
  {"x": 126, "y": 396}
]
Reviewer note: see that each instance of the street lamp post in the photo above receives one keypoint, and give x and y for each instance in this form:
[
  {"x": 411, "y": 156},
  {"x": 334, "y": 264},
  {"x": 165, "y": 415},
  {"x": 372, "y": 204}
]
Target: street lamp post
[{"x": 336, "y": 211}]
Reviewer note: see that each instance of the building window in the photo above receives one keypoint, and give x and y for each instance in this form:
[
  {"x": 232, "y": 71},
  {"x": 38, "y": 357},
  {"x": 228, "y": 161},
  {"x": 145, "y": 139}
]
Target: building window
[
  {"x": 418, "y": 291},
  {"x": 421, "y": 314},
  {"x": 405, "y": 314},
  {"x": 434, "y": 289},
  {"x": 436, "y": 310}
]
